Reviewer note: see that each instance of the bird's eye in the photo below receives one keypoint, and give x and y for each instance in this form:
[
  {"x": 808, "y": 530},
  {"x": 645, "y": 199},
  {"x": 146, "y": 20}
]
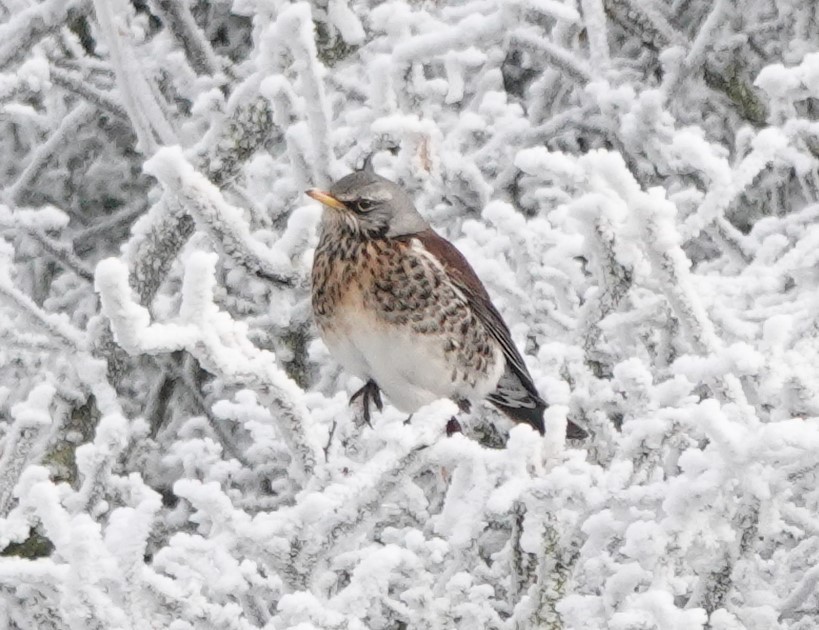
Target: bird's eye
[{"x": 364, "y": 205}]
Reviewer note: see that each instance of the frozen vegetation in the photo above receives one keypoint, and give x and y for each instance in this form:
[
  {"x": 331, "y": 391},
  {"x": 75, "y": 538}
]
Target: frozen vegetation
[{"x": 636, "y": 183}]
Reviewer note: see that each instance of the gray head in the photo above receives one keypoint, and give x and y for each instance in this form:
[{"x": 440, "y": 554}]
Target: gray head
[{"x": 370, "y": 205}]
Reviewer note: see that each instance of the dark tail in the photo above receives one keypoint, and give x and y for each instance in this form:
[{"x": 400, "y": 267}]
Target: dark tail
[{"x": 514, "y": 399}]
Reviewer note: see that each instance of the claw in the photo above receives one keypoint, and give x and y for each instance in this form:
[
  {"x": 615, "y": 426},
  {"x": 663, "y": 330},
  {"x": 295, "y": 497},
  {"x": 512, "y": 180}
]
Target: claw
[
  {"x": 375, "y": 395},
  {"x": 370, "y": 394},
  {"x": 453, "y": 426}
]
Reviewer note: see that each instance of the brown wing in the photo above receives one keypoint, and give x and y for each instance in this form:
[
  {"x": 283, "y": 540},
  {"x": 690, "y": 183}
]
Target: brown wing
[
  {"x": 516, "y": 394},
  {"x": 470, "y": 285}
]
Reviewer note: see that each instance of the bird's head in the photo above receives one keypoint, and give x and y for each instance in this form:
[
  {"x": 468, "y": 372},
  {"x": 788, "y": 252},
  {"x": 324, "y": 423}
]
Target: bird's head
[{"x": 371, "y": 206}]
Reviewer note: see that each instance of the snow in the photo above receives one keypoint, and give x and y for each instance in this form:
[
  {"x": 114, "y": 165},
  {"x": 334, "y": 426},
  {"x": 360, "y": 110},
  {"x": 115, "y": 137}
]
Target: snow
[
  {"x": 636, "y": 186},
  {"x": 345, "y": 21}
]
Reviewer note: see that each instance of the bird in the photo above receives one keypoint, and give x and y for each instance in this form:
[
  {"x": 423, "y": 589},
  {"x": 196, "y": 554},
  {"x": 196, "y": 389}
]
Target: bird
[{"x": 399, "y": 306}]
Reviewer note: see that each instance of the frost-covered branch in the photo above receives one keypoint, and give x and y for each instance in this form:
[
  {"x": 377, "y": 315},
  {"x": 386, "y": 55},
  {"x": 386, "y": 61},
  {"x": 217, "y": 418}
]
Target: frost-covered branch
[
  {"x": 804, "y": 590},
  {"x": 646, "y": 19},
  {"x": 614, "y": 278},
  {"x": 193, "y": 389},
  {"x": 25, "y": 29},
  {"x": 561, "y": 59},
  {"x": 138, "y": 96},
  {"x": 81, "y": 86},
  {"x": 182, "y": 25},
  {"x": 228, "y": 229},
  {"x": 594, "y": 17},
  {"x": 96, "y": 461},
  {"x": 31, "y": 419},
  {"x": 642, "y": 220},
  {"x": 63, "y": 254},
  {"x": 211, "y": 337},
  {"x": 655, "y": 220},
  {"x": 81, "y": 115},
  {"x": 294, "y": 29},
  {"x": 53, "y": 324},
  {"x": 166, "y": 228}
]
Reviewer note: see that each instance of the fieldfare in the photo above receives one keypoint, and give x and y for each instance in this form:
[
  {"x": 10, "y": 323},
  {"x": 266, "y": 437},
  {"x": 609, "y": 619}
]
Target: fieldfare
[{"x": 401, "y": 308}]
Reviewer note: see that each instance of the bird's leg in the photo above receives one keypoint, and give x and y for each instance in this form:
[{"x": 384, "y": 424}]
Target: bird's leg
[
  {"x": 369, "y": 393},
  {"x": 452, "y": 425}
]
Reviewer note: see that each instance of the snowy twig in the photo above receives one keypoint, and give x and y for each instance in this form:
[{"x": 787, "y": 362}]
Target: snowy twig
[
  {"x": 522, "y": 568},
  {"x": 474, "y": 30},
  {"x": 96, "y": 461},
  {"x": 546, "y": 131},
  {"x": 63, "y": 254},
  {"x": 294, "y": 27},
  {"x": 556, "y": 55},
  {"x": 225, "y": 223},
  {"x": 27, "y": 27},
  {"x": 155, "y": 245},
  {"x": 213, "y": 338},
  {"x": 105, "y": 226},
  {"x": 806, "y": 588},
  {"x": 31, "y": 418},
  {"x": 646, "y": 20},
  {"x": 57, "y": 327},
  {"x": 80, "y": 86},
  {"x": 723, "y": 231},
  {"x": 706, "y": 35},
  {"x": 147, "y": 118},
  {"x": 158, "y": 237},
  {"x": 613, "y": 278},
  {"x": 694, "y": 60},
  {"x": 181, "y": 24},
  {"x": 372, "y": 486},
  {"x": 594, "y": 17},
  {"x": 654, "y": 217},
  {"x": 553, "y": 572},
  {"x": 186, "y": 373},
  {"x": 81, "y": 115}
]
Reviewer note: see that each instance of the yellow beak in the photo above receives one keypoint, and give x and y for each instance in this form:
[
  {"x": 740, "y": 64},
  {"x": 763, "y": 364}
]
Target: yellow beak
[{"x": 326, "y": 199}]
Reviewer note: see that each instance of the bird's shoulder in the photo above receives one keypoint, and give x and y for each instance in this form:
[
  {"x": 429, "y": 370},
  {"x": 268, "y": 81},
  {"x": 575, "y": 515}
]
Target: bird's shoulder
[{"x": 452, "y": 261}]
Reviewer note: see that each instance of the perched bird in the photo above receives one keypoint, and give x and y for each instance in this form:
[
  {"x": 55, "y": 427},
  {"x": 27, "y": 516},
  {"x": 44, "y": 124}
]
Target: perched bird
[{"x": 401, "y": 308}]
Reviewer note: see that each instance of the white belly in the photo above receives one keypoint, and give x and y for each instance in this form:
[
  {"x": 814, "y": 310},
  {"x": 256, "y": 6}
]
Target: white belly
[{"x": 411, "y": 369}]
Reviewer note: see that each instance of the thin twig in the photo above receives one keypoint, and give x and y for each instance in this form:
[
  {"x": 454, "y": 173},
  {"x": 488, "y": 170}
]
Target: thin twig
[
  {"x": 147, "y": 117},
  {"x": 26, "y": 28},
  {"x": 153, "y": 251},
  {"x": 77, "y": 118},
  {"x": 330, "y": 440},
  {"x": 183, "y": 27},
  {"x": 188, "y": 380},
  {"x": 80, "y": 86},
  {"x": 53, "y": 324},
  {"x": 558, "y": 56},
  {"x": 63, "y": 254},
  {"x": 104, "y": 226}
]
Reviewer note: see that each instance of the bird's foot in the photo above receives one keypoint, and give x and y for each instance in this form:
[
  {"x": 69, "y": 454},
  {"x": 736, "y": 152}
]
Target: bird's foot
[
  {"x": 575, "y": 432},
  {"x": 409, "y": 418},
  {"x": 369, "y": 394},
  {"x": 452, "y": 425}
]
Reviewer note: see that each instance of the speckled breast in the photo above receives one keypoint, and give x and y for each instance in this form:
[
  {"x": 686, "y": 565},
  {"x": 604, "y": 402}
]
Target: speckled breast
[{"x": 386, "y": 305}]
